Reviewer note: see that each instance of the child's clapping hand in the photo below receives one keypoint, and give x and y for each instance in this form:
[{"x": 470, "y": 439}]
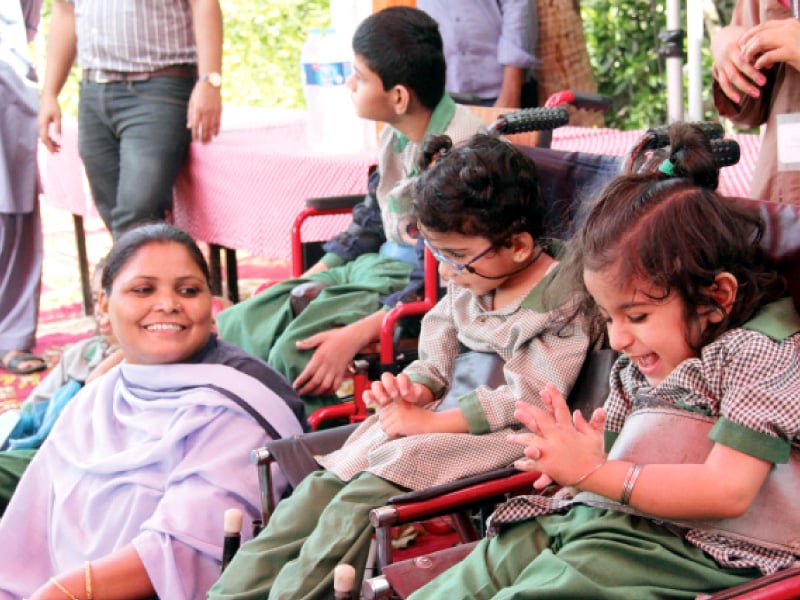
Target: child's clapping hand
[
  {"x": 397, "y": 388},
  {"x": 563, "y": 446}
]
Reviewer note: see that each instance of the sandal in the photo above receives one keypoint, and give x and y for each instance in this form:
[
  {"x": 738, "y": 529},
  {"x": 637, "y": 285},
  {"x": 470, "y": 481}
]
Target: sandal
[{"x": 12, "y": 365}]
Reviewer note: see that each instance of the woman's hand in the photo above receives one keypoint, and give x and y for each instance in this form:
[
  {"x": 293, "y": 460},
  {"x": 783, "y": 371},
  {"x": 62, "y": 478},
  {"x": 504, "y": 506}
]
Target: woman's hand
[
  {"x": 735, "y": 74},
  {"x": 397, "y": 388},
  {"x": 776, "y": 41},
  {"x": 562, "y": 446}
]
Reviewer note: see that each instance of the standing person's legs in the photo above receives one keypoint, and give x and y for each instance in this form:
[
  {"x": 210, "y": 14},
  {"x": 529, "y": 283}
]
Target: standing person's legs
[
  {"x": 20, "y": 285},
  {"x": 98, "y": 146},
  {"x": 154, "y": 146},
  {"x": 133, "y": 141}
]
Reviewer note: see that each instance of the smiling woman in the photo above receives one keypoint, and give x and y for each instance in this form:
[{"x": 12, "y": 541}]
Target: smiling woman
[
  {"x": 157, "y": 297},
  {"x": 165, "y": 434}
]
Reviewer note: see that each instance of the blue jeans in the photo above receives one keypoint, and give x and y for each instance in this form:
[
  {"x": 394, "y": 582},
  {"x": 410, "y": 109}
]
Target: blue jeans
[{"x": 133, "y": 140}]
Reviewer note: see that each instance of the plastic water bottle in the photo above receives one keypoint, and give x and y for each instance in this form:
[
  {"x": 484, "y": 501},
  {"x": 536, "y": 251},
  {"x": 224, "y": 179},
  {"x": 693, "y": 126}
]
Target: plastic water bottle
[
  {"x": 331, "y": 122},
  {"x": 310, "y": 57}
]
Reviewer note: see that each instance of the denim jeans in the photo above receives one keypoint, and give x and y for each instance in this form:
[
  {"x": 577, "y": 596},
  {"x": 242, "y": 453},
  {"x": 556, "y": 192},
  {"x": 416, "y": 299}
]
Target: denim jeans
[{"x": 133, "y": 140}]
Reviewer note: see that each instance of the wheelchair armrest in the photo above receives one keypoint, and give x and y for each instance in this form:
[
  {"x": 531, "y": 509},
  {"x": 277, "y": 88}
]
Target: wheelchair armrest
[
  {"x": 296, "y": 234},
  {"x": 445, "y": 499},
  {"x": 410, "y": 309},
  {"x": 445, "y": 488},
  {"x": 325, "y": 203}
]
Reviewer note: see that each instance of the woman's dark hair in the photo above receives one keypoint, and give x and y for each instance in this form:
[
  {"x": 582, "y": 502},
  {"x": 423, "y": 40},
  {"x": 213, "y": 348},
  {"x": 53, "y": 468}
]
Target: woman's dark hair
[
  {"x": 673, "y": 230},
  {"x": 132, "y": 240},
  {"x": 486, "y": 188},
  {"x": 403, "y": 46}
]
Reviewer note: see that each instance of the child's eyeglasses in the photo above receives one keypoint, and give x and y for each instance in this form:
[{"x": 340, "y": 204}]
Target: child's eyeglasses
[{"x": 458, "y": 267}]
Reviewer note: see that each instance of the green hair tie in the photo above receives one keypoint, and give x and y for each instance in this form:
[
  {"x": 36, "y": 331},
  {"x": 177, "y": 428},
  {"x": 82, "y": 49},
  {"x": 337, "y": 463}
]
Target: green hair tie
[{"x": 667, "y": 167}]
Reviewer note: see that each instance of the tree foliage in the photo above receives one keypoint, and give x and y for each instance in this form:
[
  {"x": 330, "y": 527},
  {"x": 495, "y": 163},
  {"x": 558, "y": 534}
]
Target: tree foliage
[
  {"x": 262, "y": 46},
  {"x": 622, "y": 37}
]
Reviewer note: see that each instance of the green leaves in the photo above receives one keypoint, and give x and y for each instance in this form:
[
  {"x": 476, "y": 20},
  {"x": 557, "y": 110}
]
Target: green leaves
[
  {"x": 623, "y": 45},
  {"x": 261, "y": 52}
]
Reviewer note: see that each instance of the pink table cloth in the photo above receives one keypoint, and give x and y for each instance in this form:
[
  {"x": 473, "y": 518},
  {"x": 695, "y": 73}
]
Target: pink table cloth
[{"x": 244, "y": 189}]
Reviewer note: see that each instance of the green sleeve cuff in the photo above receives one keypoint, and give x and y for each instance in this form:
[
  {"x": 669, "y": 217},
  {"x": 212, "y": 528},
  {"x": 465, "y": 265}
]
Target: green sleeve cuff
[
  {"x": 609, "y": 437},
  {"x": 473, "y": 412},
  {"x": 761, "y": 445},
  {"x": 437, "y": 389},
  {"x": 331, "y": 260}
]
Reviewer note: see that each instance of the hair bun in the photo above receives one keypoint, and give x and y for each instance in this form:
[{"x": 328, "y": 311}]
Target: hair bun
[
  {"x": 433, "y": 148},
  {"x": 691, "y": 155}
]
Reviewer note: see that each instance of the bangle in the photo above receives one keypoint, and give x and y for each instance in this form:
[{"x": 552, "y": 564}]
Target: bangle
[
  {"x": 580, "y": 479},
  {"x": 630, "y": 481},
  {"x": 65, "y": 591},
  {"x": 88, "y": 572}
]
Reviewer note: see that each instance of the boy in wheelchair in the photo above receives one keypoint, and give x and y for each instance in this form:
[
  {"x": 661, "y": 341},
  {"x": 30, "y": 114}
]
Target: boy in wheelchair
[
  {"x": 479, "y": 209},
  {"x": 398, "y": 78}
]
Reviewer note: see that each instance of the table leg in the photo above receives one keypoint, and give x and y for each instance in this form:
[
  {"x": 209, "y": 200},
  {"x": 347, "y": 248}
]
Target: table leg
[
  {"x": 83, "y": 265},
  {"x": 215, "y": 269},
  {"x": 232, "y": 275}
]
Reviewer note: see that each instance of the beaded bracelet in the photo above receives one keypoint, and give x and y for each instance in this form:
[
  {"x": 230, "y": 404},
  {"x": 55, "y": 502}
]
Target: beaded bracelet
[
  {"x": 630, "y": 481},
  {"x": 594, "y": 469}
]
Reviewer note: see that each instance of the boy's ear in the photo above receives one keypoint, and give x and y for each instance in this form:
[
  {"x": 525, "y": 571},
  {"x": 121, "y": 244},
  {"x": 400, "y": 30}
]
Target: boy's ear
[
  {"x": 723, "y": 291},
  {"x": 523, "y": 246},
  {"x": 400, "y": 97}
]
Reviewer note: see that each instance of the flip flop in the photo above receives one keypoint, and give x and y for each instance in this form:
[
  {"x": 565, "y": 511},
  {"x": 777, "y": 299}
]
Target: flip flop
[{"x": 12, "y": 366}]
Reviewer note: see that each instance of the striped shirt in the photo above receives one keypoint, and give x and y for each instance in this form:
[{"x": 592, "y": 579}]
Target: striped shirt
[{"x": 134, "y": 35}]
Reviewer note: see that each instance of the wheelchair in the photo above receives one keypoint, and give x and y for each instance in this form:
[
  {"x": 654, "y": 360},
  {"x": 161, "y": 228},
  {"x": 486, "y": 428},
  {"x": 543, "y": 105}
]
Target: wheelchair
[{"x": 781, "y": 243}]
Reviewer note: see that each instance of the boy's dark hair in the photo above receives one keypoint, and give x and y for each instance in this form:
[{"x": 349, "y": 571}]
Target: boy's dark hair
[
  {"x": 675, "y": 232},
  {"x": 486, "y": 188},
  {"x": 403, "y": 46}
]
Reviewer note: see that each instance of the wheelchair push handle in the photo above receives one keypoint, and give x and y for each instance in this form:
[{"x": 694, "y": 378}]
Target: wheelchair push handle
[
  {"x": 726, "y": 152},
  {"x": 585, "y": 100},
  {"x": 529, "y": 119}
]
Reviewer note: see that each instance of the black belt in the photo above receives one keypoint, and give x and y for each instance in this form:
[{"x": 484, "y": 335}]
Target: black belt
[{"x": 103, "y": 76}]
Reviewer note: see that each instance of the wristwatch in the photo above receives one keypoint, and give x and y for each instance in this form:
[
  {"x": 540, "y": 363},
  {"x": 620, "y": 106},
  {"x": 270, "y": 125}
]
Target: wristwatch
[{"x": 214, "y": 79}]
